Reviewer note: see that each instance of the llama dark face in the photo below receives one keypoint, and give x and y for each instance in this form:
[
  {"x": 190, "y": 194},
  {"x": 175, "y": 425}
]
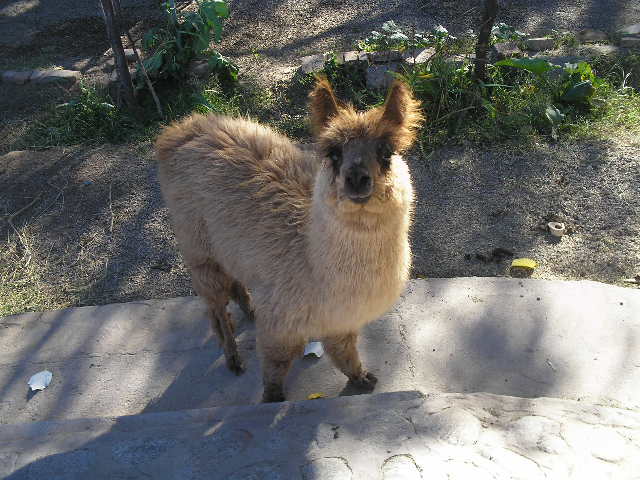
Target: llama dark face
[{"x": 358, "y": 166}]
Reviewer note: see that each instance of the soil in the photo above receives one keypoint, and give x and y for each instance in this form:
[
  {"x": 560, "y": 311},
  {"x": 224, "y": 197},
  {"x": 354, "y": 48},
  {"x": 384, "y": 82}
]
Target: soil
[{"x": 100, "y": 234}]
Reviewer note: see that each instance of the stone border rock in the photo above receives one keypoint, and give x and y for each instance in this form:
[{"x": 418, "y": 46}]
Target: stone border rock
[{"x": 68, "y": 77}]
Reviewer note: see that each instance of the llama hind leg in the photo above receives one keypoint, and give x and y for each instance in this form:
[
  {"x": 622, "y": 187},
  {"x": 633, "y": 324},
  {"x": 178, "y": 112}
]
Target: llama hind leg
[
  {"x": 277, "y": 356},
  {"x": 214, "y": 285},
  {"x": 241, "y": 296},
  {"x": 343, "y": 351}
]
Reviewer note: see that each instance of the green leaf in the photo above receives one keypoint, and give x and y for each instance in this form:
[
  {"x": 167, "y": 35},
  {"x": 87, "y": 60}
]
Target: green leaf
[
  {"x": 580, "y": 92},
  {"x": 153, "y": 63},
  {"x": 554, "y": 115},
  {"x": 149, "y": 40},
  {"x": 537, "y": 66}
]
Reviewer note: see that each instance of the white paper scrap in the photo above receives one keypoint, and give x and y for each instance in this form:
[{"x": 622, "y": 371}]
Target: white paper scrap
[
  {"x": 40, "y": 380},
  {"x": 314, "y": 348}
]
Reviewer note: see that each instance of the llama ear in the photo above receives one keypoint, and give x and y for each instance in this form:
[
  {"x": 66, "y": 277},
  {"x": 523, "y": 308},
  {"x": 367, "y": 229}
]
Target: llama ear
[
  {"x": 401, "y": 116},
  {"x": 324, "y": 104},
  {"x": 399, "y": 106}
]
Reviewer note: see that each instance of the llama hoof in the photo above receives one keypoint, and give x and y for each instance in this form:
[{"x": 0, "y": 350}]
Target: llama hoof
[
  {"x": 272, "y": 394},
  {"x": 234, "y": 363},
  {"x": 366, "y": 383}
]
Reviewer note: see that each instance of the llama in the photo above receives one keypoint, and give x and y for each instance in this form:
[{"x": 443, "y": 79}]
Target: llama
[{"x": 319, "y": 237}]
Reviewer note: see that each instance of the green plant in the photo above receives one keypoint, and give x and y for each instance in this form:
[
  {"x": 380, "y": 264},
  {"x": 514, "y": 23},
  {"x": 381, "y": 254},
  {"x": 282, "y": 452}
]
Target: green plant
[
  {"x": 501, "y": 32},
  {"x": 350, "y": 81},
  {"x": 91, "y": 117},
  {"x": 392, "y": 37},
  {"x": 564, "y": 39},
  {"x": 187, "y": 36}
]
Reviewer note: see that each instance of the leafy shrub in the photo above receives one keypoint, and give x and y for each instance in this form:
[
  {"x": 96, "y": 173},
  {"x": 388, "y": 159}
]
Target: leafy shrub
[
  {"x": 501, "y": 32},
  {"x": 187, "y": 36},
  {"x": 91, "y": 117},
  {"x": 392, "y": 37}
]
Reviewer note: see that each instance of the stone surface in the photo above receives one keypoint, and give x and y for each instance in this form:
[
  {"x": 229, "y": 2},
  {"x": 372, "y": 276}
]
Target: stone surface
[
  {"x": 353, "y": 56},
  {"x": 312, "y": 63},
  {"x": 418, "y": 56},
  {"x": 527, "y": 338},
  {"x": 540, "y": 44},
  {"x": 55, "y": 76},
  {"x": 503, "y": 50},
  {"x": 589, "y": 35},
  {"x": 596, "y": 50},
  {"x": 561, "y": 60},
  {"x": 380, "y": 76},
  {"x": 630, "y": 41},
  {"x": 633, "y": 29},
  {"x": 384, "y": 57},
  {"x": 200, "y": 68},
  {"x": 17, "y": 77},
  {"x": 129, "y": 54},
  {"x": 401, "y": 435}
]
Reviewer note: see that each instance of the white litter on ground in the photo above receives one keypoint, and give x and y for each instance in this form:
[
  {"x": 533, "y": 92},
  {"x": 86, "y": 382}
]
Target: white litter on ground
[
  {"x": 40, "y": 380},
  {"x": 314, "y": 348}
]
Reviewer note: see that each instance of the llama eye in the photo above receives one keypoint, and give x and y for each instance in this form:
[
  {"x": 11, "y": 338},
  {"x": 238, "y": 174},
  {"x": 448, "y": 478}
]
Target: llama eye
[
  {"x": 335, "y": 155},
  {"x": 384, "y": 152}
]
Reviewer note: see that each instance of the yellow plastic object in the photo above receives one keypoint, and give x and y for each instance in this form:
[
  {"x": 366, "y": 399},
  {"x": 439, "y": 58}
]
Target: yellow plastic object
[
  {"x": 524, "y": 263},
  {"x": 314, "y": 396}
]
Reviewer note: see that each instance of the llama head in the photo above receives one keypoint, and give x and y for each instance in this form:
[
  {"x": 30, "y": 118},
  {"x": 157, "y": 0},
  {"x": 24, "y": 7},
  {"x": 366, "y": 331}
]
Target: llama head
[{"x": 359, "y": 146}]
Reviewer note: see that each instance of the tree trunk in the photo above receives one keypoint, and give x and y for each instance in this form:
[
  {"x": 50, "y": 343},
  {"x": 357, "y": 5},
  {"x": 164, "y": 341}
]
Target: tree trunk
[
  {"x": 482, "y": 48},
  {"x": 118, "y": 53}
]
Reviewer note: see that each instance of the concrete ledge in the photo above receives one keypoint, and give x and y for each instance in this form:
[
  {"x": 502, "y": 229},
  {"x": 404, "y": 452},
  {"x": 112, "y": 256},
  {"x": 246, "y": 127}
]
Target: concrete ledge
[
  {"x": 402, "y": 435},
  {"x": 526, "y": 338}
]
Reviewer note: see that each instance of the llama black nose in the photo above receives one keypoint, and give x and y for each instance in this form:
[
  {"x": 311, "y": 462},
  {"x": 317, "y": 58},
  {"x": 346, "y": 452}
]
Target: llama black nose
[{"x": 359, "y": 183}]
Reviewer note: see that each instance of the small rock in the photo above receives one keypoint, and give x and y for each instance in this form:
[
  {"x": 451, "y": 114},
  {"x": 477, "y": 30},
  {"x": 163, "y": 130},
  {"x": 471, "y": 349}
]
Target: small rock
[
  {"x": 561, "y": 60},
  {"x": 419, "y": 56},
  {"x": 460, "y": 60},
  {"x": 589, "y": 35},
  {"x": 200, "y": 69},
  {"x": 130, "y": 55},
  {"x": 13, "y": 76},
  {"x": 598, "y": 50},
  {"x": 353, "y": 56},
  {"x": 384, "y": 57},
  {"x": 109, "y": 65},
  {"x": 312, "y": 63},
  {"x": 379, "y": 76},
  {"x": 541, "y": 43},
  {"x": 633, "y": 29},
  {"x": 55, "y": 76},
  {"x": 113, "y": 78},
  {"x": 504, "y": 50},
  {"x": 630, "y": 42}
]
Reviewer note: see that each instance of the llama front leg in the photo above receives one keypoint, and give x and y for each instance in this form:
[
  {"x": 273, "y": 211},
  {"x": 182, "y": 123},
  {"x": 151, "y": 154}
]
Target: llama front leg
[
  {"x": 277, "y": 356},
  {"x": 343, "y": 351}
]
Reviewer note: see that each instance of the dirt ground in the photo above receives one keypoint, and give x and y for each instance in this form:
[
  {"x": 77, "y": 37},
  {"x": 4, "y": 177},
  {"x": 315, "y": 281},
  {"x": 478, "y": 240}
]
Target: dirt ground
[
  {"x": 93, "y": 228},
  {"x": 99, "y": 232}
]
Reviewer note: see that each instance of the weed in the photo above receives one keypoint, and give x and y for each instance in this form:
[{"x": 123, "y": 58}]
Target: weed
[
  {"x": 392, "y": 37},
  {"x": 89, "y": 118},
  {"x": 563, "y": 38},
  {"x": 501, "y": 32},
  {"x": 187, "y": 36}
]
